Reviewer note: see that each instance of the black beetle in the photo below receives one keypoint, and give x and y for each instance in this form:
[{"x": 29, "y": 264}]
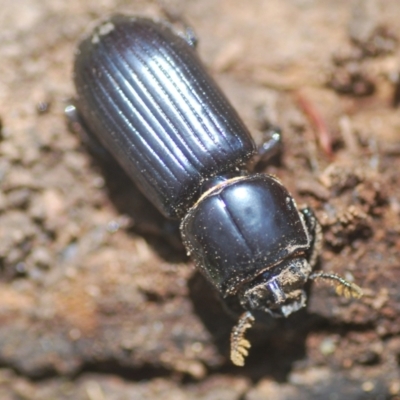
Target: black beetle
[{"x": 145, "y": 95}]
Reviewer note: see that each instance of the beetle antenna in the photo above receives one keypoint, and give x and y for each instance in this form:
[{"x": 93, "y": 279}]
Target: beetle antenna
[
  {"x": 240, "y": 345},
  {"x": 343, "y": 288}
]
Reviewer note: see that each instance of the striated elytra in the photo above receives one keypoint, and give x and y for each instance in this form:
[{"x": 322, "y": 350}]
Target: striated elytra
[
  {"x": 143, "y": 91},
  {"x": 146, "y": 97}
]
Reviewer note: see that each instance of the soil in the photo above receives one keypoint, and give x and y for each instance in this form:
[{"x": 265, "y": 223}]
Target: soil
[{"x": 97, "y": 298}]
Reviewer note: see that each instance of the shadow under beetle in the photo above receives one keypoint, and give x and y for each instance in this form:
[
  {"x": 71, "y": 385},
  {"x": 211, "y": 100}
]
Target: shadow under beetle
[{"x": 146, "y": 97}]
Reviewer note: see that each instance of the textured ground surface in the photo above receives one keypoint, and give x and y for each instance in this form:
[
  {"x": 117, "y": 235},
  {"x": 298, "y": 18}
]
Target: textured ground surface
[{"x": 97, "y": 300}]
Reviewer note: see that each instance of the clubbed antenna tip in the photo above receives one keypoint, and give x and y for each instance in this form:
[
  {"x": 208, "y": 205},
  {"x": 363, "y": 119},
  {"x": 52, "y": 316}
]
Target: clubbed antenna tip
[
  {"x": 343, "y": 288},
  {"x": 239, "y": 344}
]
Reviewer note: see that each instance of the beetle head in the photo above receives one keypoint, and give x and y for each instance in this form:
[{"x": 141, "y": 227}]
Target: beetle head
[{"x": 279, "y": 291}]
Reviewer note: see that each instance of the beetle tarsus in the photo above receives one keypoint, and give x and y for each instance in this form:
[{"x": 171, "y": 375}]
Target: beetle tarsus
[
  {"x": 239, "y": 344},
  {"x": 342, "y": 287}
]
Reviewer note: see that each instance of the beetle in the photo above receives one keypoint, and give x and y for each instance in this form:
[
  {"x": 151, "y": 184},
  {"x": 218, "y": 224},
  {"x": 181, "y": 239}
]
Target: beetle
[{"x": 144, "y": 94}]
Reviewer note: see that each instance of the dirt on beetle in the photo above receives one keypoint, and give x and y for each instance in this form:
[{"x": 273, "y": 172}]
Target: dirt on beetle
[{"x": 97, "y": 298}]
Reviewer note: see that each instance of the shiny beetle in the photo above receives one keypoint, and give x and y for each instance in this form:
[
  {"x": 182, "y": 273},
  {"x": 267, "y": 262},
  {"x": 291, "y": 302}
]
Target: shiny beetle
[{"x": 145, "y": 95}]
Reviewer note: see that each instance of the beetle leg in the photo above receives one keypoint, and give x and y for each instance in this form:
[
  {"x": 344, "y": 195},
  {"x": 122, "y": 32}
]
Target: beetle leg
[
  {"x": 188, "y": 34},
  {"x": 270, "y": 148},
  {"x": 88, "y": 138},
  {"x": 343, "y": 287},
  {"x": 315, "y": 230},
  {"x": 272, "y": 143},
  {"x": 240, "y": 345}
]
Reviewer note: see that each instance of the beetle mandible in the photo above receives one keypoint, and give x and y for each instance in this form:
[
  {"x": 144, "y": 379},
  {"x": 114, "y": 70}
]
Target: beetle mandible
[{"x": 145, "y": 95}]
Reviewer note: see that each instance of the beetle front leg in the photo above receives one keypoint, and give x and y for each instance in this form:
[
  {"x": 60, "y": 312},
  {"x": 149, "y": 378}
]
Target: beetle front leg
[
  {"x": 343, "y": 287},
  {"x": 315, "y": 231}
]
